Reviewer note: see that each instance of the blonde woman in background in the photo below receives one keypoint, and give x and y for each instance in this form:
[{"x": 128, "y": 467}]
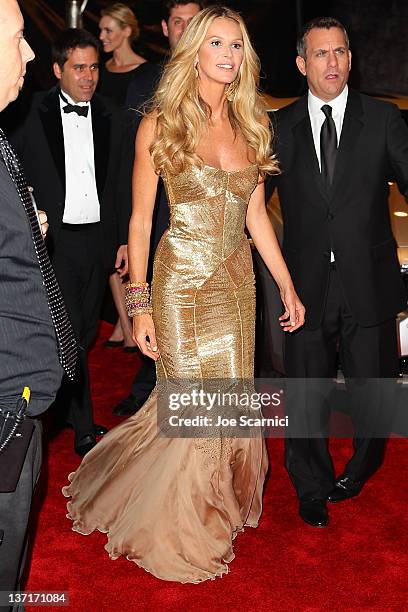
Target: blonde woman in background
[
  {"x": 174, "y": 505},
  {"x": 119, "y": 29}
]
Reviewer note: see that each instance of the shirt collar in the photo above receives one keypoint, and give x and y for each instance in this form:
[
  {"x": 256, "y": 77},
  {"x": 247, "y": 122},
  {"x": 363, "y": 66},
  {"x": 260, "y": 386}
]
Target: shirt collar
[
  {"x": 338, "y": 104},
  {"x": 70, "y": 100}
]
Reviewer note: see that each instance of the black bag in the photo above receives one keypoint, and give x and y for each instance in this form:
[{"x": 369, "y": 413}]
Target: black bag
[{"x": 15, "y": 435}]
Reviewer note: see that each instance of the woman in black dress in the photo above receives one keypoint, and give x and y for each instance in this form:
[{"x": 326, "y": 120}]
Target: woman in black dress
[{"x": 119, "y": 28}]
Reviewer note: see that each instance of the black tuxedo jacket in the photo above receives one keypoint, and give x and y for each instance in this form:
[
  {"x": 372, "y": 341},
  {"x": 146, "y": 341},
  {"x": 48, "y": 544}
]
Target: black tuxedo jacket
[
  {"x": 352, "y": 217},
  {"x": 40, "y": 145}
]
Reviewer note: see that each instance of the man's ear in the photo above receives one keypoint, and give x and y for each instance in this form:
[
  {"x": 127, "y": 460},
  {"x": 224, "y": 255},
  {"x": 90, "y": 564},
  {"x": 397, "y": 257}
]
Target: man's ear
[
  {"x": 57, "y": 70},
  {"x": 165, "y": 28},
  {"x": 301, "y": 64},
  {"x": 349, "y": 55}
]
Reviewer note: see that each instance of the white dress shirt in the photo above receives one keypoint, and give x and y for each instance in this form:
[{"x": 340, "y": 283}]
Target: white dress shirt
[
  {"x": 81, "y": 196},
  {"x": 317, "y": 118}
]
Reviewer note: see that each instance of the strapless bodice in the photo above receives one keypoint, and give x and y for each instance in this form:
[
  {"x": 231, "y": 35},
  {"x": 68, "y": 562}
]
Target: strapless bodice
[
  {"x": 203, "y": 281},
  {"x": 208, "y": 206}
]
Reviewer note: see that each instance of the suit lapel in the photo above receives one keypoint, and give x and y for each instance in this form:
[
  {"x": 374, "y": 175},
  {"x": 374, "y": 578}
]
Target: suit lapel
[
  {"x": 50, "y": 115},
  {"x": 101, "y": 128},
  {"x": 352, "y": 126},
  {"x": 303, "y": 139}
]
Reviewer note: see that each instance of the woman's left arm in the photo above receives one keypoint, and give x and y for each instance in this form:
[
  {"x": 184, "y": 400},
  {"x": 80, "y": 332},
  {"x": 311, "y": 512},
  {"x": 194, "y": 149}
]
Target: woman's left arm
[{"x": 266, "y": 243}]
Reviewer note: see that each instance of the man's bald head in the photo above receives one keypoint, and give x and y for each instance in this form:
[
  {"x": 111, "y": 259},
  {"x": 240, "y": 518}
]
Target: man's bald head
[{"x": 15, "y": 52}]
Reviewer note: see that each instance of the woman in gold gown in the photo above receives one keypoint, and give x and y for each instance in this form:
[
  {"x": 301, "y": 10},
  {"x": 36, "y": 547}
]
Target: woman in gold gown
[{"x": 174, "y": 505}]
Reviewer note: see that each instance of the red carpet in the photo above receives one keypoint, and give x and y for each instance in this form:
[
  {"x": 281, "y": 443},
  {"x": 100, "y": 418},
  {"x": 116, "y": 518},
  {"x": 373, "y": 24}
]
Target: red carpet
[{"x": 359, "y": 562}]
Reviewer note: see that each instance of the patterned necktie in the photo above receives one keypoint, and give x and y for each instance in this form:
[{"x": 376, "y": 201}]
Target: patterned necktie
[
  {"x": 81, "y": 111},
  {"x": 328, "y": 145},
  {"x": 67, "y": 348}
]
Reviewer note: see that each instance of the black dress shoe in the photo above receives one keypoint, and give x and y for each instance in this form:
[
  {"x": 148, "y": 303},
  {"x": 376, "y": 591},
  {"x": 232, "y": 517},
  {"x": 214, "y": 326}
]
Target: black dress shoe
[
  {"x": 314, "y": 512},
  {"x": 130, "y": 405},
  {"x": 130, "y": 349},
  {"x": 100, "y": 430},
  {"x": 84, "y": 444},
  {"x": 345, "y": 487},
  {"x": 113, "y": 343}
]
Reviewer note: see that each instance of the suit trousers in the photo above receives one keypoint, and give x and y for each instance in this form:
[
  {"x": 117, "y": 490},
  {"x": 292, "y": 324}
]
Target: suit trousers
[
  {"x": 269, "y": 342},
  {"x": 144, "y": 381},
  {"x": 366, "y": 355},
  {"x": 14, "y": 516},
  {"x": 78, "y": 264}
]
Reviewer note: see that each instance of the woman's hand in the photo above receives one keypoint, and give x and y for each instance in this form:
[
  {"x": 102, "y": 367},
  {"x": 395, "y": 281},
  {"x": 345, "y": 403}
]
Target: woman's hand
[
  {"x": 122, "y": 261},
  {"x": 145, "y": 336},
  {"x": 294, "y": 315}
]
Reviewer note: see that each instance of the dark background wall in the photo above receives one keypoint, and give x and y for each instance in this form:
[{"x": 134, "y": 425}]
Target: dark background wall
[{"x": 378, "y": 31}]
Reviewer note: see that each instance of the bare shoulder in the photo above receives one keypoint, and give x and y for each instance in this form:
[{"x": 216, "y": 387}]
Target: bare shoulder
[
  {"x": 146, "y": 131},
  {"x": 148, "y": 125}
]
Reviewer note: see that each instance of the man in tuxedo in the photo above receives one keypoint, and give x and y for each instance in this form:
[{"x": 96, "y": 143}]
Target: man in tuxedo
[
  {"x": 37, "y": 340},
  {"x": 76, "y": 151},
  {"x": 177, "y": 14},
  {"x": 338, "y": 149}
]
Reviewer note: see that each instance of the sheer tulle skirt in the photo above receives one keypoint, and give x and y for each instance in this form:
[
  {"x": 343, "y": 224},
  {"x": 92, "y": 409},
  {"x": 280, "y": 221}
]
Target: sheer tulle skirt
[{"x": 173, "y": 506}]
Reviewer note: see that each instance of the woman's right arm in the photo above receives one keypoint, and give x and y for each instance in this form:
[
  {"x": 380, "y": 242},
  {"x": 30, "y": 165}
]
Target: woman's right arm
[{"x": 144, "y": 187}]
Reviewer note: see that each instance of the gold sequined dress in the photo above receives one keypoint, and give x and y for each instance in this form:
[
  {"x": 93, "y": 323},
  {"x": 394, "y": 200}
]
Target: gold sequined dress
[{"x": 174, "y": 505}]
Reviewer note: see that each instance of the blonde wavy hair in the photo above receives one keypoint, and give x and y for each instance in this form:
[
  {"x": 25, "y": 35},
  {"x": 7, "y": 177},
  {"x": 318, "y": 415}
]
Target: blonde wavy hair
[{"x": 181, "y": 114}]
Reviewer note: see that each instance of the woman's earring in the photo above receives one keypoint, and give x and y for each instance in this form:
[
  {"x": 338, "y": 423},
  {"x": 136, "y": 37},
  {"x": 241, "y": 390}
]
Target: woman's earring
[{"x": 196, "y": 70}]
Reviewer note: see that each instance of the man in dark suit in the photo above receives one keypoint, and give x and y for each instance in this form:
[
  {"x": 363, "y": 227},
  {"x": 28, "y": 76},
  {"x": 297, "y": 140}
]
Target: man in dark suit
[
  {"x": 37, "y": 341},
  {"x": 337, "y": 149},
  {"x": 177, "y": 14},
  {"x": 76, "y": 153}
]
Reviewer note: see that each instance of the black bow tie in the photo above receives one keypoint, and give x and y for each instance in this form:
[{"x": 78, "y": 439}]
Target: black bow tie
[{"x": 82, "y": 111}]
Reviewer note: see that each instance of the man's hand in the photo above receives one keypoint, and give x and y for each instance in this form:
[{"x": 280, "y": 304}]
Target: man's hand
[
  {"x": 42, "y": 217},
  {"x": 122, "y": 261}
]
